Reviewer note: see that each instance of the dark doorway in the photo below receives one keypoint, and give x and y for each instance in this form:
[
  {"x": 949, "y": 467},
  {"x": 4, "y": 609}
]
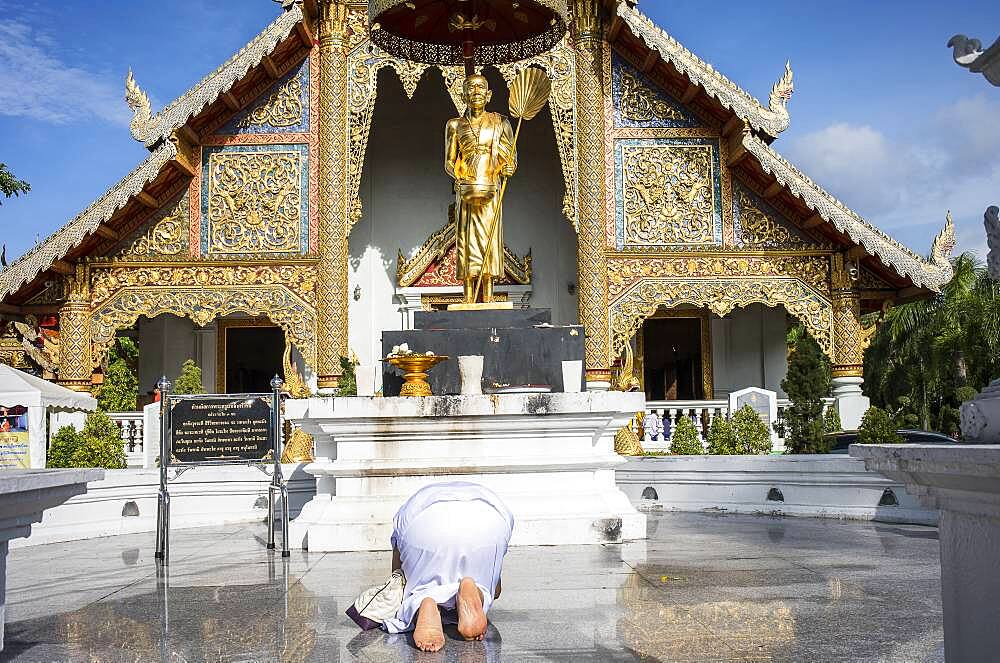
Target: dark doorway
[
  {"x": 672, "y": 359},
  {"x": 253, "y": 357}
]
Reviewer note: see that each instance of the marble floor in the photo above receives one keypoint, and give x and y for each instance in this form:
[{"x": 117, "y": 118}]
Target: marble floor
[{"x": 702, "y": 588}]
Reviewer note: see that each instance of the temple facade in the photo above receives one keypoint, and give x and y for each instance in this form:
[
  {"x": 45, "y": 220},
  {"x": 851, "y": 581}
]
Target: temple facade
[{"x": 294, "y": 205}]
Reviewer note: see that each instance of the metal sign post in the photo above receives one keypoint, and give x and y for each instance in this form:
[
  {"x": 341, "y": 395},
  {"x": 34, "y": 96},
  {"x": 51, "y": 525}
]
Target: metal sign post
[
  {"x": 277, "y": 481},
  {"x": 163, "y": 497}
]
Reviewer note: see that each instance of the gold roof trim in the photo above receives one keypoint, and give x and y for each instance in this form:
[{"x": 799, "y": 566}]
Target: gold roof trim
[
  {"x": 159, "y": 127},
  {"x": 58, "y": 244},
  {"x": 772, "y": 120},
  {"x": 931, "y": 274}
]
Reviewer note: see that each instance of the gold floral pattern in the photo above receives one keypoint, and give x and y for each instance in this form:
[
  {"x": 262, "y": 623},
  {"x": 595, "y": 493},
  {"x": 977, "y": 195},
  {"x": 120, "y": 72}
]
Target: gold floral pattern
[
  {"x": 167, "y": 236},
  {"x": 640, "y": 104},
  {"x": 254, "y": 202},
  {"x": 667, "y": 194},
  {"x": 760, "y": 229},
  {"x": 282, "y": 108}
]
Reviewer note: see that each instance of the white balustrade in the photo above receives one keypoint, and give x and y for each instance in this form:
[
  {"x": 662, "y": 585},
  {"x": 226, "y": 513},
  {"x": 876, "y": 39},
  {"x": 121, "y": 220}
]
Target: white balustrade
[{"x": 131, "y": 426}]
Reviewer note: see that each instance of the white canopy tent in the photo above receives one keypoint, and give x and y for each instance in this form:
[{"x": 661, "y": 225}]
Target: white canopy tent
[{"x": 40, "y": 397}]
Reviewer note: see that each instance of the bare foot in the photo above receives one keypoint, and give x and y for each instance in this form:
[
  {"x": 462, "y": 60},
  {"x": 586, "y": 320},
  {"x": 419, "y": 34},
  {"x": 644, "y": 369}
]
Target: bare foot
[
  {"x": 428, "y": 634},
  {"x": 471, "y": 618}
]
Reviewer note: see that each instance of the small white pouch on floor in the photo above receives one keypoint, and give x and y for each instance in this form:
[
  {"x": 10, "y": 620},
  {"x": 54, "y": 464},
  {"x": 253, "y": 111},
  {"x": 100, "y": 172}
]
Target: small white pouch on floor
[{"x": 378, "y": 603}]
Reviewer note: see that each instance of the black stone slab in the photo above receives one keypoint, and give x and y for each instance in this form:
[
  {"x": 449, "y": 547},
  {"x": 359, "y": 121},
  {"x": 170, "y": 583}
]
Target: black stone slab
[
  {"x": 511, "y": 356},
  {"x": 519, "y": 318},
  {"x": 220, "y": 430}
]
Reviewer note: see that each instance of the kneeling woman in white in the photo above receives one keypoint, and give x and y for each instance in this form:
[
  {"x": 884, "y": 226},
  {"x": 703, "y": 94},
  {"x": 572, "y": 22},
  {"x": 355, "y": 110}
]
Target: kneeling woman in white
[{"x": 450, "y": 539}]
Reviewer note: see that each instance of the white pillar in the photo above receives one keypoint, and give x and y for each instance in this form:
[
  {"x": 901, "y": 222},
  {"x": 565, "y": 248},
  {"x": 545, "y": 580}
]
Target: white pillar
[{"x": 851, "y": 404}]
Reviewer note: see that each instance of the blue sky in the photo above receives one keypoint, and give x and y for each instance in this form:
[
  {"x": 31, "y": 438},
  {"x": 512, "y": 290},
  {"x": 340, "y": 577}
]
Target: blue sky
[{"x": 881, "y": 116}]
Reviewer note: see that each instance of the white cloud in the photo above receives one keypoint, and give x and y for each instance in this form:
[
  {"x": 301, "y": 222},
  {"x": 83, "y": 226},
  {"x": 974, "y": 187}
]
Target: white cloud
[
  {"x": 905, "y": 185},
  {"x": 38, "y": 85}
]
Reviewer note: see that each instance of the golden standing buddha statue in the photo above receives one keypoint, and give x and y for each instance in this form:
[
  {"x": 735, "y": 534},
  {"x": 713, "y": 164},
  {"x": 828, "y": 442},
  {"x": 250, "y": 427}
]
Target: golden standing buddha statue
[{"x": 479, "y": 150}]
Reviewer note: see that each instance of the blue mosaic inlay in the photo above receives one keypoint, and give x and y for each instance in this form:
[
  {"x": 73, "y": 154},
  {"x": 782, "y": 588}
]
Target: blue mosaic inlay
[
  {"x": 244, "y": 122},
  {"x": 620, "y": 187},
  {"x": 639, "y": 102},
  {"x": 301, "y": 150}
]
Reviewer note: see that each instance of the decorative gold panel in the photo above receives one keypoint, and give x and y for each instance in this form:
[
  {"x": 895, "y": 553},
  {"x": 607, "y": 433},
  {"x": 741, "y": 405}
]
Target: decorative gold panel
[
  {"x": 640, "y": 104},
  {"x": 282, "y": 108},
  {"x": 167, "y": 236},
  {"x": 720, "y": 296},
  {"x": 758, "y": 228},
  {"x": 254, "y": 202},
  {"x": 668, "y": 195}
]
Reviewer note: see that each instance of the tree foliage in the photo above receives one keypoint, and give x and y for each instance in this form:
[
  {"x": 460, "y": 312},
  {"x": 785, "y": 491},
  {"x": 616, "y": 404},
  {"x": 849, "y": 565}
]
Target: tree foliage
[
  {"x": 189, "y": 380},
  {"x": 806, "y": 383},
  {"x": 926, "y": 351},
  {"x": 721, "y": 439},
  {"x": 348, "y": 378},
  {"x": 120, "y": 388},
  {"x": 877, "y": 427},
  {"x": 685, "y": 439},
  {"x": 10, "y": 185},
  {"x": 99, "y": 444},
  {"x": 752, "y": 435},
  {"x": 831, "y": 420}
]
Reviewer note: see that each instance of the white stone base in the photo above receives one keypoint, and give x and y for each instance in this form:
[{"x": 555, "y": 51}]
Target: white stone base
[
  {"x": 963, "y": 481},
  {"x": 851, "y": 404},
  {"x": 550, "y": 457},
  {"x": 981, "y": 416}
]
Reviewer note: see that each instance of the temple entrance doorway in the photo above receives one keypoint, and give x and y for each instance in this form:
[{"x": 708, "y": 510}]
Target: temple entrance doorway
[
  {"x": 672, "y": 347},
  {"x": 249, "y": 356}
]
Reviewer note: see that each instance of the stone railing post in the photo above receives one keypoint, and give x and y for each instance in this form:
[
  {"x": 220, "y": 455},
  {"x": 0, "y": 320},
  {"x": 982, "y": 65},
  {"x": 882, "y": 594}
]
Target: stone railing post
[
  {"x": 76, "y": 365},
  {"x": 591, "y": 264},
  {"x": 849, "y": 351},
  {"x": 331, "y": 327}
]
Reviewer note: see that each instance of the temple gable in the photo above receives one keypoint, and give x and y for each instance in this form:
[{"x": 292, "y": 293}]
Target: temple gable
[
  {"x": 163, "y": 235},
  {"x": 640, "y": 103},
  {"x": 758, "y": 225},
  {"x": 282, "y": 108}
]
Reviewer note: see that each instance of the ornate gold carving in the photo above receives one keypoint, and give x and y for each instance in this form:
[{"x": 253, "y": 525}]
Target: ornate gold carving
[
  {"x": 592, "y": 290},
  {"x": 334, "y": 223},
  {"x": 294, "y": 384},
  {"x": 438, "y": 302},
  {"x": 298, "y": 448},
  {"x": 668, "y": 196},
  {"x": 848, "y": 336},
  {"x": 720, "y": 296},
  {"x": 282, "y": 108},
  {"x": 627, "y": 442},
  {"x": 758, "y": 229},
  {"x": 640, "y": 104},
  {"x": 166, "y": 237},
  {"x": 813, "y": 270},
  {"x": 254, "y": 202},
  {"x": 12, "y": 352},
  {"x": 76, "y": 353}
]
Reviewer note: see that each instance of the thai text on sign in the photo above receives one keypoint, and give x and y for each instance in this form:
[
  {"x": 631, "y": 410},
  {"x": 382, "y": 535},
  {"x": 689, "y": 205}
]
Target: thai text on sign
[{"x": 221, "y": 430}]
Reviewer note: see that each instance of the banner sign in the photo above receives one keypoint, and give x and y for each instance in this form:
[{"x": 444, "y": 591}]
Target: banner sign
[
  {"x": 15, "y": 452},
  {"x": 231, "y": 429}
]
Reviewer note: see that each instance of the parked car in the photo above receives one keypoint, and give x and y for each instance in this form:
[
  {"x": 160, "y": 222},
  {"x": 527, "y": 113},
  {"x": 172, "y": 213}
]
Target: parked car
[{"x": 843, "y": 439}]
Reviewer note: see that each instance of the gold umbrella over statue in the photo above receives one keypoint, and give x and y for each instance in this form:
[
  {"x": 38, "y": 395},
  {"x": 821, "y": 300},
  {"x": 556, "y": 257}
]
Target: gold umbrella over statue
[{"x": 480, "y": 146}]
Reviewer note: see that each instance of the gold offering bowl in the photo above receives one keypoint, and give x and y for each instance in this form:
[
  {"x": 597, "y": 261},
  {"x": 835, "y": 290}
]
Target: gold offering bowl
[{"x": 415, "y": 367}]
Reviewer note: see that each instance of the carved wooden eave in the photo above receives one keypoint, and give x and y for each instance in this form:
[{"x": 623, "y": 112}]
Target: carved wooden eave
[
  {"x": 930, "y": 274},
  {"x": 60, "y": 244},
  {"x": 701, "y": 76},
  {"x": 408, "y": 272},
  {"x": 220, "y": 82}
]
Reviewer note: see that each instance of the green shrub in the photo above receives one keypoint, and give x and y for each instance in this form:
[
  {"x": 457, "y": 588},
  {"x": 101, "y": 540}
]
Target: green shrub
[
  {"x": 348, "y": 380},
  {"x": 752, "y": 435},
  {"x": 685, "y": 440},
  {"x": 120, "y": 388},
  {"x": 99, "y": 444},
  {"x": 877, "y": 427},
  {"x": 831, "y": 420},
  {"x": 62, "y": 446},
  {"x": 806, "y": 383},
  {"x": 189, "y": 380},
  {"x": 721, "y": 440}
]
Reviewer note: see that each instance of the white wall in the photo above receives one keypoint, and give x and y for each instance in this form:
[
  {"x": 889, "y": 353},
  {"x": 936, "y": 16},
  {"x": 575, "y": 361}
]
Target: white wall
[
  {"x": 405, "y": 193},
  {"x": 165, "y": 342},
  {"x": 748, "y": 350}
]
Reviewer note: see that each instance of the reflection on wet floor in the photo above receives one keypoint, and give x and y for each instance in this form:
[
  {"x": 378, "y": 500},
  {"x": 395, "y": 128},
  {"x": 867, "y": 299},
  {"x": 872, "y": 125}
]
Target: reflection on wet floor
[{"x": 701, "y": 588}]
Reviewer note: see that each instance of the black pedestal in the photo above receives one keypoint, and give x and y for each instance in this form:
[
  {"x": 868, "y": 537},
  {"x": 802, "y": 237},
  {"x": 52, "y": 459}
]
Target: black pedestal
[{"x": 519, "y": 347}]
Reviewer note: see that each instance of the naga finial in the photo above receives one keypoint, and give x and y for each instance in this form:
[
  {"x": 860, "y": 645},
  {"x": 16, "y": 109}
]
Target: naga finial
[
  {"x": 138, "y": 101},
  {"x": 969, "y": 53},
  {"x": 944, "y": 243},
  {"x": 781, "y": 91}
]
